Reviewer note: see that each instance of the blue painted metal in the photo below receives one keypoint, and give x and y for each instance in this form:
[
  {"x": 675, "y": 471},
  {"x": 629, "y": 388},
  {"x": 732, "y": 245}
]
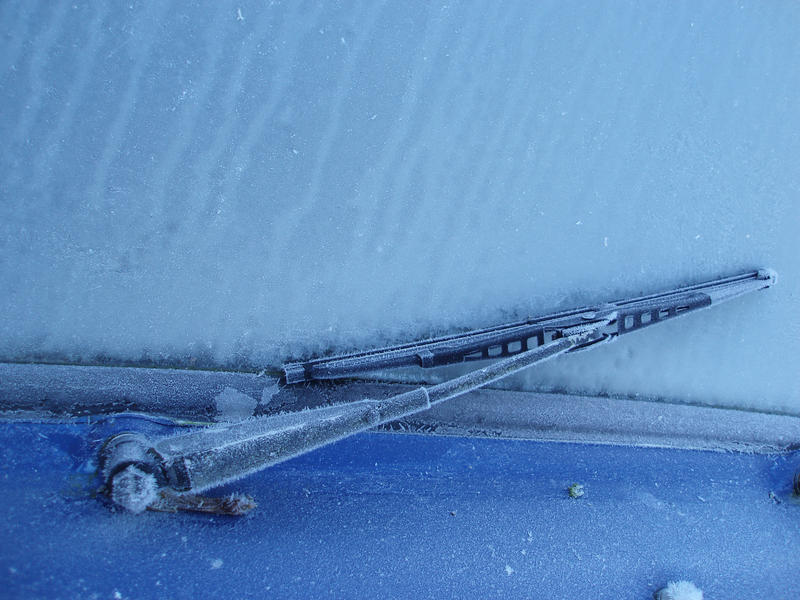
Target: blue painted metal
[{"x": 382, "y": 515}]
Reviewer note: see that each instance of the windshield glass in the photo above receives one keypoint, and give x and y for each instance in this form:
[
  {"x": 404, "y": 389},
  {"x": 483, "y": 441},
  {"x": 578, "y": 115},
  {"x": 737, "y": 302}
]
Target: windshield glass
[{"x": 235, "y": 187}]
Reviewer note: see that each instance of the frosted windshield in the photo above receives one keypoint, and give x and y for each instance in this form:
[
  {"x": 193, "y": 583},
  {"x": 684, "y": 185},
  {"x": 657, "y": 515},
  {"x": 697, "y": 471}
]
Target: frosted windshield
[{"x": 204, "y": 186}]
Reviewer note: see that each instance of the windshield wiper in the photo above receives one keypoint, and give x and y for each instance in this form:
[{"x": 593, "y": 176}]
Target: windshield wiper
[{"x": 168, "y": 473}]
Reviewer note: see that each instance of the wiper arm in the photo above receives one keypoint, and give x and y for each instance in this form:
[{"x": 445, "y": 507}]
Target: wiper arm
[
  {"x": 512, "y": 338},
  {"x": 140, "y": 473}
]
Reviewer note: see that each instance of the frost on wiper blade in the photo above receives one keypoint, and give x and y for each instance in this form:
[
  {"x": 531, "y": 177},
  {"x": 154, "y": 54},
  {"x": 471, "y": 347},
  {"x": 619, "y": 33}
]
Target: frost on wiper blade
[
  {"x": 512, "y": 338},
  {"x": 160, "y": 474}
]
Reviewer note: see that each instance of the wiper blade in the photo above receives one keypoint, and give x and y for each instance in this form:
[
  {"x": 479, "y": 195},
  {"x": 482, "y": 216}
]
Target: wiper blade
[
  {"x": 513, "y": 338},
  {"x": 142, "y": 474}
]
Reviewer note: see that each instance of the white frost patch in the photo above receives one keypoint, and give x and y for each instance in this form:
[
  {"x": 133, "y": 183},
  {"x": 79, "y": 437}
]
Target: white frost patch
[
  {"x": 680, "y": 590},
  {"x": 216, "y": 563},
  {"x": 134, "y": 489},
  {"x": 233, "y": 405},
  {"x": 269, "y": 392},
  {"x": 509, "y": 570}
]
